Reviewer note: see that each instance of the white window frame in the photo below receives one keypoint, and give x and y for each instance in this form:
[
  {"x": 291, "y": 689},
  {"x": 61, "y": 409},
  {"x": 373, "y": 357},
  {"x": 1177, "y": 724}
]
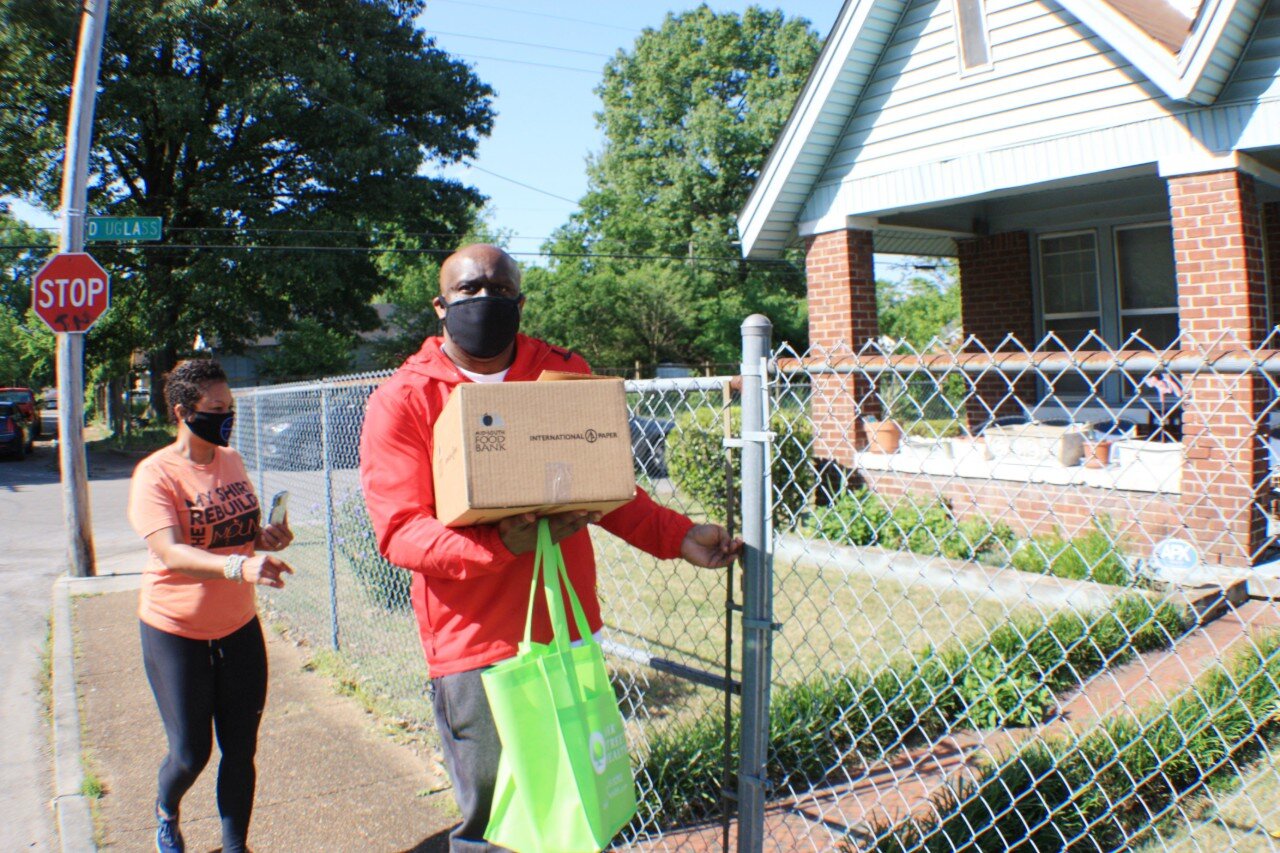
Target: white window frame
[
  {"x": 1122, "y": 312},
  {"x": 1109, "y": 325},
  {"x": 1045, "y": 316}
]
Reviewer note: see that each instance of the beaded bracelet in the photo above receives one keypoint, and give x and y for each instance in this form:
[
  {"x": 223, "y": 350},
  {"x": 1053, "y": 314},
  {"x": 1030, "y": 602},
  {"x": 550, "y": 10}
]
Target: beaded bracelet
[{"x": 233, "y": 567}]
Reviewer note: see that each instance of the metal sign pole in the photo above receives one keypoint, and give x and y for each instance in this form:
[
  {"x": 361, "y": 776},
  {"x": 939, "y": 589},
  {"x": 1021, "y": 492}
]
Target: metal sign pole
[{"x": 70, "y": 365}]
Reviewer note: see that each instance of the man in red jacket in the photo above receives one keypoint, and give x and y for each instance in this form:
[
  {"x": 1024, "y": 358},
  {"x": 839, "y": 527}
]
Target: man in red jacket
[{"x": 471, "y": 584}]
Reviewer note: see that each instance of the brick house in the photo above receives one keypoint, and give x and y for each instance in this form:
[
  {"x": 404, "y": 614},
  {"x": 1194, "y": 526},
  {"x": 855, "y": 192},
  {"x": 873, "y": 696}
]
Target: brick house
[{"x": 1102, "y": 170}]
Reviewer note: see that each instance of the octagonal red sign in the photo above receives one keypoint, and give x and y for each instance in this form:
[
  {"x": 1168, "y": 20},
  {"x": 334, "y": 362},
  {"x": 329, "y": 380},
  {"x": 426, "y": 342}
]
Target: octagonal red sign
[{"x": 70, "y": 292}]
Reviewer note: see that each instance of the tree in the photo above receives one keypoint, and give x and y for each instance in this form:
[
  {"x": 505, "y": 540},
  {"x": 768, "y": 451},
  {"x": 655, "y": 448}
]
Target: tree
[
  {"x": 308, "y": 350},
  {"x": 921, "y": 310},
  {"x": 689, "y": 116},
  {"x": 26, "y": 344},
  {"x": 271, "y": 136}
]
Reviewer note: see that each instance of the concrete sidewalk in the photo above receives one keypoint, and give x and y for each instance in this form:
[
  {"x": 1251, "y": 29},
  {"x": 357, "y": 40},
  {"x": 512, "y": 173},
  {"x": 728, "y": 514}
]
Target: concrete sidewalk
[{"x": 326, "y": 780}]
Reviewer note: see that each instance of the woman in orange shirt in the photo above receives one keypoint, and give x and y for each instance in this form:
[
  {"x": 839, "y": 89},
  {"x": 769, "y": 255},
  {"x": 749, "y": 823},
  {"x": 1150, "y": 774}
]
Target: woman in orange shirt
[{"x": 202, "y": 645}]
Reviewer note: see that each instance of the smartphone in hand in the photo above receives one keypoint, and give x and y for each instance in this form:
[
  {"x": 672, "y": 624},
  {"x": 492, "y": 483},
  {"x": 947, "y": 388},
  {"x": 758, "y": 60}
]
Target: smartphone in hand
[{"x": 279, "y": 508}]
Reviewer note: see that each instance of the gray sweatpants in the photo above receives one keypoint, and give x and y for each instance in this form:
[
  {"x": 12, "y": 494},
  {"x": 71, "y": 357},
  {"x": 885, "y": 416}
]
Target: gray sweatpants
[{"x": 471, "y": 751}]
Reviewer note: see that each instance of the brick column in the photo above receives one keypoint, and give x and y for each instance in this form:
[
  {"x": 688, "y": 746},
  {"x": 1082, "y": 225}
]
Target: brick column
[
  {"x": 1217, "y": 240},
  {"x": 840, "y": 271},
  {"x": 996, "y": 301}
]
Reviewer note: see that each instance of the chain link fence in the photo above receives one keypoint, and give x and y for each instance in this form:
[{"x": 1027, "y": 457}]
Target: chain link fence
[{"x": 993, "y": 598}]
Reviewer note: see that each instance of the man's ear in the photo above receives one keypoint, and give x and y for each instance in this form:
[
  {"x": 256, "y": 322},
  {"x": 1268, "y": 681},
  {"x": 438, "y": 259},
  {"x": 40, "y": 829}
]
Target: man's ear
[{"x": 440, "y": 305}]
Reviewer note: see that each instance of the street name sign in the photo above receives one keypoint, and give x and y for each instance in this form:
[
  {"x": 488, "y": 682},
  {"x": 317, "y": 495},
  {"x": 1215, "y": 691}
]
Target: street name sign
[
  {"x": 124, "y": 228},
  {"x": 70, "y": 292}
]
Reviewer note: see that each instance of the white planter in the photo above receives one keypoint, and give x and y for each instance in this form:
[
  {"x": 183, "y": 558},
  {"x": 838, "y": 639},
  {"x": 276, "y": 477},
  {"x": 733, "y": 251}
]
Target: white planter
[{"x": 1160, "y": 461}]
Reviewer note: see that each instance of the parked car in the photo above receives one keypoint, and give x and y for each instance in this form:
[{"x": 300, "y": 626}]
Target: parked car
[
  {"x": 17, "y": 436},
  {"x": 48, "y": 415},
  {"x": 649, "y": 443},
  {"x": 294, "y": 443},
  {"x": 25, "y": 398}
]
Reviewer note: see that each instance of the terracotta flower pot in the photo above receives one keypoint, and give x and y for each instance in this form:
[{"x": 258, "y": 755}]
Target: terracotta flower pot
[
  {"x": 1097, "y": 454},
  {"x": 883, "y": 437}
]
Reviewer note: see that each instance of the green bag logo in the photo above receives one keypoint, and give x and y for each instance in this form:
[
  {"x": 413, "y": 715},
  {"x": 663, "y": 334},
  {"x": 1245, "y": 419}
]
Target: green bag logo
[{"x": 596, "y": 744}]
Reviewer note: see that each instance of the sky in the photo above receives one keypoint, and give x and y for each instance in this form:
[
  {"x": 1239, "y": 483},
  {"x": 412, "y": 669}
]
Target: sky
[{"x": 543, "y": 58}]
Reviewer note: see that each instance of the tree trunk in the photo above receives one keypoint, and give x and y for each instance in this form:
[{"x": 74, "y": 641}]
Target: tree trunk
[
  {"x": 116, "y": 414},
  {"x": 162, "y": 361}
]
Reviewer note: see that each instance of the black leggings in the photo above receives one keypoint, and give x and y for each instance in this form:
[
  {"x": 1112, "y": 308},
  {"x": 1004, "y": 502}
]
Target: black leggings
[{"x": 209, "y": 684}]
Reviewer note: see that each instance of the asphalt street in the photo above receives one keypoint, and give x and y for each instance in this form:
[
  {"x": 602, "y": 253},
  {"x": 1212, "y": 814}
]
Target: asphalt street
[{"x": 32, "y": 555}]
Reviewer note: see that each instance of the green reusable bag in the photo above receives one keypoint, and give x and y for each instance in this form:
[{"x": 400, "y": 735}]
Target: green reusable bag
[{"x": 564, "y": 779}]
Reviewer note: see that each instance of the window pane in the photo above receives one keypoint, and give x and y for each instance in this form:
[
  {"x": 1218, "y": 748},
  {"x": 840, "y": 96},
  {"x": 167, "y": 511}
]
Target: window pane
[
  {"x": 1158, "y": 330},
  {"x": 1144, "y": 259},
  {"x": 1071, "y": 332},
  {"x": 1068, "y": 273}
]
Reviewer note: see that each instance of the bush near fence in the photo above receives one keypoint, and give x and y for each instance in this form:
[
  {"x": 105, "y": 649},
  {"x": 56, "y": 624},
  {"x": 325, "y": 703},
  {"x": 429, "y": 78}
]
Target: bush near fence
[
  {"x": 928, "y": 526},
  {"x": 1004, "y": 680},
  {"x": 1102, "y": 791},
  {"x": 696, "y": 460},
  {"x": 382, "y": 584}
]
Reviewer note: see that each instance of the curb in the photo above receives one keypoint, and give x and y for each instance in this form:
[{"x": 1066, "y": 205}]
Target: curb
[{"x": 72, "y": 814}]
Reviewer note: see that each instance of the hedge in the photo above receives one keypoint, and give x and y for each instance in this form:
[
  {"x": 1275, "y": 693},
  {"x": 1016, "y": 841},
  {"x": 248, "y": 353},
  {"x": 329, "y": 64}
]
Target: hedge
[
  {"x": 1006, "y": 679},
  {"x": 696, "y": 458},
  {"x": 1102, "y": 792}
]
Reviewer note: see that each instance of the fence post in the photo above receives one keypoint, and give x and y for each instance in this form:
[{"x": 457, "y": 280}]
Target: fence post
[
  {"x": 757, "y": 603},
  {"x": 328, "y": 516}
]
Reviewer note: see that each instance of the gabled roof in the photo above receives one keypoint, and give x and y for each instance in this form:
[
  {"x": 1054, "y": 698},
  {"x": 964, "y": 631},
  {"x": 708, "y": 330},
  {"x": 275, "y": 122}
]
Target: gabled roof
[{"x": 1187, "y": 48}]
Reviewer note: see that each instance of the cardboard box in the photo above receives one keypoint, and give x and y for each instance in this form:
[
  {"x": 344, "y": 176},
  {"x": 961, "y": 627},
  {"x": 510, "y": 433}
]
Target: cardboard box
[
  {"x": 1036, "y": 444},
  {"x": 507, "y": 448}
]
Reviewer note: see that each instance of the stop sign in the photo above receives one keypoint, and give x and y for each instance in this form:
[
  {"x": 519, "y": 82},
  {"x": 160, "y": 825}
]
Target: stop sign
[{"x": 70, "y": 292}]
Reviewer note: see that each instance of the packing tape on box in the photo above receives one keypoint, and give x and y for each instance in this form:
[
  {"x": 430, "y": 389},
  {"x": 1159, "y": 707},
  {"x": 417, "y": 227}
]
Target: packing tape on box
[{"x": 558, "y": 483}]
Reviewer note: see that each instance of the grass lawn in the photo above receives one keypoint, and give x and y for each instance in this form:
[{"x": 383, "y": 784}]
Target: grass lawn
[{"x": 831, "y": 621}]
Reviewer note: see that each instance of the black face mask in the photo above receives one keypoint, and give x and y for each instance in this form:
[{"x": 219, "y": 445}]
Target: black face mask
[
  {"x": 483, "y": 326},
  {"x": 213, "y": 427}
]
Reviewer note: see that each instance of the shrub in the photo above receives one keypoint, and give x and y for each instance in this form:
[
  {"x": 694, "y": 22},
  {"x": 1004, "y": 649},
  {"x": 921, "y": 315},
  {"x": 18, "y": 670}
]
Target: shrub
[
  {"x": 1101, "y": 792},
  {"x": 1095, "y": 556},
  {"x": 1008, "y": 679},
  {"x": 383, "y": 584},
  {"x": 695, "y": 461},
  {"x": 861, "y": 517},
  {"x": 928, "y": 527}
]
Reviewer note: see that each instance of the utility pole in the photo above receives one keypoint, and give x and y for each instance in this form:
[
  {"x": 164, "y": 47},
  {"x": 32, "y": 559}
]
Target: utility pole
[{"x": 70, "y": 365}]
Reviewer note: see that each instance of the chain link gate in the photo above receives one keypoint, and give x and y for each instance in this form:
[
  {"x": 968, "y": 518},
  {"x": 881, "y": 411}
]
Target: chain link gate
[
  {"x": 961, "y": 629},
  {"x": 1028, "y": 603}
]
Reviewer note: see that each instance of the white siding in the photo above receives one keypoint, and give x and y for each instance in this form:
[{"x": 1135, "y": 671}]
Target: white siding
[
  {"x": 1050, "y": 76},
  {"x": 1258, "y": 74},
  {"x": 1059, "y": 102}
]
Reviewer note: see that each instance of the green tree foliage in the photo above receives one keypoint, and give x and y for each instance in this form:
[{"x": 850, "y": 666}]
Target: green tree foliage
[
  {"x": 650, "y": 269},
  {"x": 243, "y": 125},
  {"x": 26, "y": 344},
  {"x": 307, "y": 350},
  {"x": 921, "y": 308}
]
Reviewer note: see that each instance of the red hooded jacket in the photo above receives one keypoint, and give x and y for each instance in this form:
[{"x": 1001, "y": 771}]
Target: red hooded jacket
[{"x": 469, "y": 592}]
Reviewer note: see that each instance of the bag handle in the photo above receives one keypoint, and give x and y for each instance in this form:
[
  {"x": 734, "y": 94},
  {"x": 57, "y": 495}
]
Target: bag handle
[{"x": 548, "y": 562}]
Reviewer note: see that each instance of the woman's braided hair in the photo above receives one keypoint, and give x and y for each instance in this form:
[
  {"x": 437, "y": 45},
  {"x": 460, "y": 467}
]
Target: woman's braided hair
[{"x": 187, "y": 382}]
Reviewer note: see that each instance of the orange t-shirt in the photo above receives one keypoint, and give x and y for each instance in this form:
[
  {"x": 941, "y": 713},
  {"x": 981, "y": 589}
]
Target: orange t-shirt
[{"x": 214, "y": 508}]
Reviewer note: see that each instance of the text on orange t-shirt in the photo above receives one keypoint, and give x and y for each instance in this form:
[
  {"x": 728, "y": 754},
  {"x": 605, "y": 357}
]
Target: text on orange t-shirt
[{"x": 214, "y": 508}]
